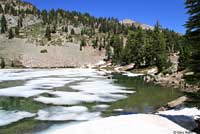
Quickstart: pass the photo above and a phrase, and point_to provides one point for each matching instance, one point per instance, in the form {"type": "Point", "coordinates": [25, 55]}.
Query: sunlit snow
{"type": "Point", "coordinates": [8, 117]}
{"type": "Point", "coordinates": [126, 124]}
{"type": "Point", "coordinates": [74, 113]}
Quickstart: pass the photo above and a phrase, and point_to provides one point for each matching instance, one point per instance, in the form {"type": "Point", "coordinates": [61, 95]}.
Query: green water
{"type": "Point", "coordinates": [146, 99]}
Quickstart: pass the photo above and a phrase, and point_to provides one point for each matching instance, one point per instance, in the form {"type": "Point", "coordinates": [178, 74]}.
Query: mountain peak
{"type": "Point", "coordinates": [137, 24]}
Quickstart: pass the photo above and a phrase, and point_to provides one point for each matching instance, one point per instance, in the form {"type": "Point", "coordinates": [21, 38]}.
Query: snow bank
{"type": "Point", "coordinates": [21, 91]}
{"type": "Point", "coordinates": [91, 90]}
{"type": "Point", "coordinates": [8, 117]}
{"type": "Point", "coordinates": [75, 113]}
{"type": "Point", "coordinates": [73, 98]}
{"type": "Point", "coordinates": [100, 86]}
{"type": "Point", "coordinates": [24, 74]}
{"type": "Point", "coordinates": [101, 107]}
{"type": "Point", "coordinates": [184, 117]}
{"type": "Point", "coordinates": [36, 87]}
{"type": "Point", "coordinates": [50, 83]}
{"type": "Point", "coordinates": [192, 112]}
{"type": "Point", "coordinates": [132, 74]}
{"type": "Point", "coordinates": [126, 124]}
{"type": "Point", "coordinates": [100, 63]}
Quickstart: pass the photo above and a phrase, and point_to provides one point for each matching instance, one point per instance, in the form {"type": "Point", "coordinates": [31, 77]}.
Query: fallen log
{"type": "Point", "coordinates": [177, 102]}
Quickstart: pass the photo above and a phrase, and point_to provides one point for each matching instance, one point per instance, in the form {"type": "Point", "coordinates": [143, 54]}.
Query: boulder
{"type": "Point", "coordinates": [127, 67]}
{"type": "Point", "coordinates": [177, 102]}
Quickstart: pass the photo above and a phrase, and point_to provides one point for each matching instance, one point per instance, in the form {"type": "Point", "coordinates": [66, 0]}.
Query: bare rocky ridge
{"type": "Point", "coordinates": [31, 49]}
{"type": "Point", "coordinates": [21, 51]}
{"type": "Point", "coordinates": [137, 24]}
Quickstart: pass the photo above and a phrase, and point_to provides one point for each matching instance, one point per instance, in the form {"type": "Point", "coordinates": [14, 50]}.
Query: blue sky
{"type": "Point", "coordinates": [170, 13]}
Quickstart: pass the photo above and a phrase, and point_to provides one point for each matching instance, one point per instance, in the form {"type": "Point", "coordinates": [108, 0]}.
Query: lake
{"type": "Point", "coordinates": [35, 101]}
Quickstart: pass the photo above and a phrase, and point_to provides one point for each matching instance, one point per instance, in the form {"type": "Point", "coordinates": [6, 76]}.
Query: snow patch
{"type": "Point", "coordinates": [184, 117]}
{"type": "Point", "coordinates": [73, 98]}
{"type": "Point", "coordinates": [100, 63]}
{"type": "Point", "coordinates": [132, 74]}
{"type": "Point", "coordinates": [25, 74]}
{"type": "Point", "coordinates": [192, 112]}
{"type": "Point", "coordinates": [75, 113]}
{"type": "Point", "coordinates": [8, 117]}
{"type": "Point", "coordinates": [126, 124]}
{"type": "Point", "coordinates": [100, 86]}
{"type": "Point", "coordinates": [92, 90]}
{"type": "Point", "coordinates": [102, 106]}
{"type": "Point", "coordinates": [21, 91]}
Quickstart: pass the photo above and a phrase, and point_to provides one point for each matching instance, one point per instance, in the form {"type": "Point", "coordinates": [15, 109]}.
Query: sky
{"type": "Point", "coordinates": [170, 13]}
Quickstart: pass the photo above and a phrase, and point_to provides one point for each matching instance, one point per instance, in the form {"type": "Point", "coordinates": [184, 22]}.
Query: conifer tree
{"type": "Point", "coordinates": [17, 31]}
{"type": "Point", "coordinates": [66, 29]}
{"type": "Point", "coordinates": [6, 8]}
{"type": "Point", "coordinates": [10, 34]}
{"type": "Point", "coordinates": [53, 29]}
{"type": "Point", "coordinates": [3, 24]}
{"type": "Point", "coordinates": [117, 43]}
{"type": "Point", "coordinates": [108, 52]}
{"type": "Point", "coordinates": [95, 43]}
{"type": "Point", "coordinates": [20, 22]}
{"type": "Point", "coordinates": [1, 9]}
{"type": "Point", "coordinates": [159, 46]}
{"type": "Point", "coordinates": [193, 34]}
{"type": "Point", "coordinates": [48, 33]}
{"type": "Point", "coordinates": [44, 16]}
{"type": "Point", "coordinates": [72, 31]}
{"type": "Point", "coordinates": [83, 43]}
{"type": "Point", "coordinates": [3, 63]}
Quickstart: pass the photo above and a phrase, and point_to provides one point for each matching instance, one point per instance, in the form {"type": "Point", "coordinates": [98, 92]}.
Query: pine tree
{"type": "Point", "coordinates": [100, 46]}
{"type": "Point", "coordinates": [159, 46]}
{"type": "Point", "coordinates": [72, 31]}
{"type": "Point", "coordinates": [82, 31]}
{"type": "Point", "coordinates": [53, 29]}
{"type": "Point", "coordinates": [10, 34]}
{"type": "Point", "coordinates": [83, 43]}
{"type": "Point", "coordinates": [44, 16]}
{"type": "Point", "coordinates": [3, 63]}
{"type": "Point", "coordinates": [66, 29]}
{"type": "Point", "coordinates": [3, 24]}
{"type": "Point", "coordinates": [13, 11]}
{"type": "Point", "coordinates": [95, 43]}
{"type": "Point", "coordinates": [20, 22]}
{"type": "Point", "coordinates": [17, 31]}
{"type": "Point", "coordinates": [108, 52]}
{"type": "Point", "coordinates": [117, 43]}
{"type": "Point", "coordinates": [193, 34]}
{"type": "Point", "coordinates": [12, 64]}
{"type": "Point", "coordinates": [6, 8]}
{"type": "Point", "coordinates": [48, 33]}
{"type": "Point", "coordinates": [1, 9]}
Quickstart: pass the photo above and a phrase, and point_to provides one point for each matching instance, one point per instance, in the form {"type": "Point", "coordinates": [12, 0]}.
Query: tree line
{"type": "Point", "coordinates": [124, 44]}
{"type": "Point", "coordinates": [145, 47]}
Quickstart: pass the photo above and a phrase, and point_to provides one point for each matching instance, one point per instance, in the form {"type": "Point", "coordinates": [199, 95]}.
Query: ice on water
{"type": "Point", "coordinates": [8, 117]}
{"type": "Point", "coordinates": [59, 113]}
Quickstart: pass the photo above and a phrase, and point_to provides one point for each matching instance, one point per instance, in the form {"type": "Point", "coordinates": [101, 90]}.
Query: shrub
{"type": "Point", "coordinates": [44, 51]}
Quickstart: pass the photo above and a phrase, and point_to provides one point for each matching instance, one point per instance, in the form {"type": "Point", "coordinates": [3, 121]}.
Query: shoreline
{"type": "Point", "coordinates": [172, 105]}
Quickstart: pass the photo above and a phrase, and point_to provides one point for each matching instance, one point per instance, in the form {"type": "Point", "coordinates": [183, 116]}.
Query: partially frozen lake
{"type": "Point", "coordinates": [37, 100]}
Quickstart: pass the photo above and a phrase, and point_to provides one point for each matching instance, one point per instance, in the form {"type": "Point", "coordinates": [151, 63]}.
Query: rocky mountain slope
{"type": "Point", "coordinates": [59, 38]}
{"type": "Point", "coordinates": [137, 24]}
{"type": "Point", "coordinates": [31, 49]}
